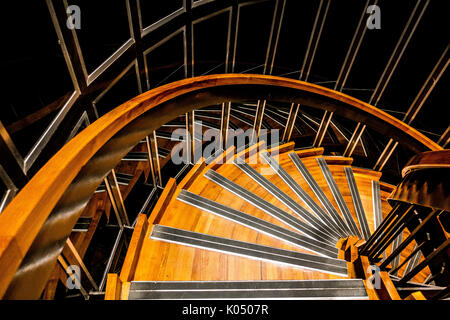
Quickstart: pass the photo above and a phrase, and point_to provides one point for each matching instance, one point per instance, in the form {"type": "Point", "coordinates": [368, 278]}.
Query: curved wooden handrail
{"type": "Point", "coordinates": [75, 170]}
{"type": "Point", "coordinates": [426, 181]}
{"type": "Point", "coordinates": [427, 160]}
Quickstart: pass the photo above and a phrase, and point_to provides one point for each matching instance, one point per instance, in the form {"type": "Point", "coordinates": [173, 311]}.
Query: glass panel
{"type": "Point", "coordinates": [125, 89]}
{"type": "Point", "coordinates": [294, 37]}
{"type": "Point", "coordinates": [274, 120]}
{"type": "Point", "coordinates": [104, 29]}
{"type": "Point", "coordinates": [210, 45]}
{"type": "Point", "coordinates": [416, 63]}
{"type": "Point", "coordinates": [152, 11]}
{"type": "Point", "coordinates": [392, 171]}
{"type": "Point", "coordinates": [36, 79]}
{"type": "Point", "coordinates": [339, 133]}
{"type": "Point", "coordinates": [164, 68]}
{"type": "Point", "coordinates": [255, 21]}
{"type": "Point", "coordinates": [374, 143]}
{"type": "Point", "coordinates": [208, 121]}
{"type": "Point", "coordinates": [171, 148]}
{"type": "Point", "coordinates": [335, 40]}
{"type": "Point", "coordinates": [377, 47]}
{"type": "Point", "coordinates": [432, 119]}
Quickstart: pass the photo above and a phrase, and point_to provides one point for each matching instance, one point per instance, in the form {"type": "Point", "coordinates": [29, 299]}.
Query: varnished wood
{"type": "Point", "coordinates": [25, 215]}
{"type": "Point", "coordinates": [418, 295]}
{"type": "Point", "coordinates": [134, 248]}
{"type": "Point", "coordinates": [309, 152]}
{"type": "Point", "coordinates": [387, 291]}
{"type": "Point", "coordinates": [338, 160]}
{"type": "Point", "coordinates": [113, 287]}
{"type": "Point", "coordinates": [192, 174]}
{"type": "Point", "coordinates": [358, 269]}
{"type": "Point", "coordinates": [201, 264]}
{"type": "Point", "coordinates": [221, 159]}
{"type": "Point", "coordinates": [163, 202]}
{"type": "Point", "coordinates": [430, 159]}
{"type": "Point", "coordinates": [286, 147]}
{"type": "Point", "coordinates": [375, 175]}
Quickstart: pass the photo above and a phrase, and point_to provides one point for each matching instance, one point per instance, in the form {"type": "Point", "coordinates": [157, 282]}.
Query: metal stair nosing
{"type": "Point", "coordinates": [286, 200]}
{"type": "Point", "coordinates": [269, 208]}
{"type": "Point", "coordinates": [250, 250]}
{"type": "Point", "coordinates": [326, 220]}
{"type": "Point", "coordinates": [357, 203]}
{"type": "Point", "coordinates": [259, 289]}
{"type": "Point", "coordinates": [318, 191]}
{"type": "Point", "coordinates": [351, 225]}
{"type": "Point", "coordinates": [257, 224]}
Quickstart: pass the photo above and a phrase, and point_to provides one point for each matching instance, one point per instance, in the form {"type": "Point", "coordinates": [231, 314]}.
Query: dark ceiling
{"type": "Point", "coordinates": [37, 82]}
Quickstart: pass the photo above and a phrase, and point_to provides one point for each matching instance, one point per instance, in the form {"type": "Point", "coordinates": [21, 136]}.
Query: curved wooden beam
{"type": "Point", "coordinates": [65, 183]}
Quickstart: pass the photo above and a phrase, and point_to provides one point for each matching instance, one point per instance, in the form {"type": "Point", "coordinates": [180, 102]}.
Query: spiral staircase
{"type": "Point", "coordinates": [268, 223]}
{"type": "Point", "coordinates": [269, 220]}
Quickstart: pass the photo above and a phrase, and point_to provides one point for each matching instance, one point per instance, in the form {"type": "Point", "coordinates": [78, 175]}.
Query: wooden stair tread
{"type": "Point", "coordinates": [160, 261]}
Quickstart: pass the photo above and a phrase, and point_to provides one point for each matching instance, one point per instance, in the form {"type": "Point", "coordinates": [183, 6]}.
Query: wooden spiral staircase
{"type": "Point", "coordinates": [264, 223]}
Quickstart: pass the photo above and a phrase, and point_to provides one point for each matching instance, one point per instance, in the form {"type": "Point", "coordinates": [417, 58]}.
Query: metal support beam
{"type": "Point", "coordinates": [229, 65]}
{"type": "Point", "coordinates": [77, 67]}
{"type": "Point", "coordinates": [224, 124]}
{"type": "Point", "coordinates": [190, 137]}
{"type": "Point", "coordinates": [389, 70]}
{"type": "Point", "coordinates": [277, 21]}
{"type": "Point", "coordinates": [345, 71]}
{"type": "Point", "coordinates": [445, 138]}
{"type": "Point", "coordinates": [134, 21]}
{"type": "Point", "coordinates": [11, 160]}
{"type": "Point", "coordinates": [111, 258]}
{"type": "Point", "coordinates": [259, 115]}
{"type": "Point", "coordinates": [65, 266]}
{"type": "Point", "coordinates": [189, 38]}
{"type": "Point", "coordinates": [79, 260]}
{"type": "Point", "coordinates": [116, 199]}
{"type": "Point", "coordinates": [153, 159]}
{"type": "Point", "coordinates": [316, 32]}
{"type": "Point", "coordinates": [416, 105]}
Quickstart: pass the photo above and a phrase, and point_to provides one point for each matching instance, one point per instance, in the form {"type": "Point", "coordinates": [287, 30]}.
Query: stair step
{"type": "Point", "coordinates": [357, 203]}
{"type": "Point", "coordinates": [269, 208]}
{"type": "Point", "coordinates": [181, 136]}
{"type": "Point", "coordinates": [82, 225]}
{"type": "Point", "coordinates": [288, 289]}
{"type": "Point", "coordinates": [123, 178]}
{"type": "Point", "coordinates": [257, 224]}
{"type": "Point", "coordinates": [250, 250]}
{"type": "Point", "coordinates": [318, 191]}
{"type": "Point", "coordinates": [286, 200]}
{"type": "Point", "coordinates": [329, 224]}
{"type": "Point", "coordinates": [136, 156]}
{"type": "Point", "coordinates": [351, 225]}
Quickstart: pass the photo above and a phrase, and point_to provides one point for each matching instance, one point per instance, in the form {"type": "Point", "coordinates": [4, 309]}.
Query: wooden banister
{"type": "Point", "coordinates": [43, 213]}
{"type": "Point", "coordinates": [425, 181]}
{"type": "Point", "coordinates": [427, 160]}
